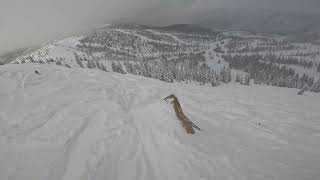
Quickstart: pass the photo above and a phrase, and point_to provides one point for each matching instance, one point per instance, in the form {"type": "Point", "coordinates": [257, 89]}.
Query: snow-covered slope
{"type": "Point", "coordinates": [73, 124]}
{"type": "Point", "coordinates": [62, 51]}
{"type": "Point", "coordinates": [186, 53]}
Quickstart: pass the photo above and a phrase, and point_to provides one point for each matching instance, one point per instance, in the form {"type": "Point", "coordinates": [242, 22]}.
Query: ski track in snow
{"type": "Point", "coordinates": [75, 124]}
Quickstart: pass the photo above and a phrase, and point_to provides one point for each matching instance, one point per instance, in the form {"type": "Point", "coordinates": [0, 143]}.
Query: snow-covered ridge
{"type": "Point", "coordinates": [77, 124]}
{"type": "Point", "coordinates": [193, 55]}
{"type": "Point", "coordinates": [60, 50]}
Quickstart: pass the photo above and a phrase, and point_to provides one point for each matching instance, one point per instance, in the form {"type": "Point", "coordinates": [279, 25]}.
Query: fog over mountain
{"type": "Point", "coordinates": [28, 23]}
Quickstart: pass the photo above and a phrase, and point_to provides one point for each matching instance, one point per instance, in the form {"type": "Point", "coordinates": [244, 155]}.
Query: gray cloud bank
{"type": "Point", "coordinates": [30, 22]}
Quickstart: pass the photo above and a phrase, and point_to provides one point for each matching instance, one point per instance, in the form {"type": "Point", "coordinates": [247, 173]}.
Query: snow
{"type": "Point", "coordinates": [62, 49]}
{"type": "Point", "coordinates": [73, 124]}
{"type": "Point", "coordinates": [215, 61]}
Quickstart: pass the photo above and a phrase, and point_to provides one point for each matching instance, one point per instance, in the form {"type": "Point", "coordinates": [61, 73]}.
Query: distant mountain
{"type": "Point", "coordinates": [187, 28]}
{"type": "Point", "coordinates": [262, 21]}
{"type": "Point", "coordinates": [177, 28]}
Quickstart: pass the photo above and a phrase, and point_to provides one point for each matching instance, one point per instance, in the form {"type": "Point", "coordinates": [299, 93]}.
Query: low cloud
{"type": "Point", "coordinates": [30, 22]}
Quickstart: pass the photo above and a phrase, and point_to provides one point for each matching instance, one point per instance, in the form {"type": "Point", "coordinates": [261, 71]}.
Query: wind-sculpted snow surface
{"type": "Point", "coordinates": [72, 124]}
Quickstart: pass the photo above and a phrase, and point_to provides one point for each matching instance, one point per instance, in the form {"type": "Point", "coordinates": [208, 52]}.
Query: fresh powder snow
{"type": "Point", "coordinates": [79, 124]}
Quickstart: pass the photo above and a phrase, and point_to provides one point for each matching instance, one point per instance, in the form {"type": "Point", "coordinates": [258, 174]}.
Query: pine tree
{"type": "Point", "coordinates": [120, 69]}
{"type": "Point", "coordinates": [98, 65]}
{"type": "Point", "coordinates": [222, 74]}
{"type": "Point", "coordinates": [256, 81]}
{"type": "Point", "coordinates": [238, 78]}
{"type": "Point", "coordinates": [245, 80]}
{"type": "Point", "coordinates": [93, 64]}
{"type": "Point", "coordinates": [225, 74]}
{"type": "Point", "coordinates": [214, 81]}
{"type": "Point", "coordinates": [302, 90]}
{"type": "Point", "coordinates": [316, 87]}
{"type": "Point", "coordinates": [90, 64]}
{"type": "Point", "coordinates": [117, 67]}
{"type": "Point", "coordinates": [228, 75]}
{"type": "Point", "coordinates": [103, 67]}
{"type": "Point", "coordinates": [114, 67]}
{"type": "Point", "coordinates": [31, 59]}
{"type": "Point", "coordinates": [78, 60]}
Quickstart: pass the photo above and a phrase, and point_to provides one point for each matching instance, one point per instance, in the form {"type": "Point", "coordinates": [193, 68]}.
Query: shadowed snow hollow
{"type": "Point", "coordinates": [70, 124]}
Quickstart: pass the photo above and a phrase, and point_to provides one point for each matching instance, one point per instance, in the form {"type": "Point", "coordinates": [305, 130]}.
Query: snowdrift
{"type": "Point", "coordinates": [76, 124]}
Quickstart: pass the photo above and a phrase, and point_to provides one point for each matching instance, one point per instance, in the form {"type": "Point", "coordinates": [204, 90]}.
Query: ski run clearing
{"type": "Point", "coordinates": [81, 124]}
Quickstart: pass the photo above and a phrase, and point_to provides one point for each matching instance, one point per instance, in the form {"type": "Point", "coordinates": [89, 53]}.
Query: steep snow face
{"type": "Point", "coordinates": [72, 124]}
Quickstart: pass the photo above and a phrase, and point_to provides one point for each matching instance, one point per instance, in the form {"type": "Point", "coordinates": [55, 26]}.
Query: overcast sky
{"type": "Point", "coordinates": [30, 22]}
